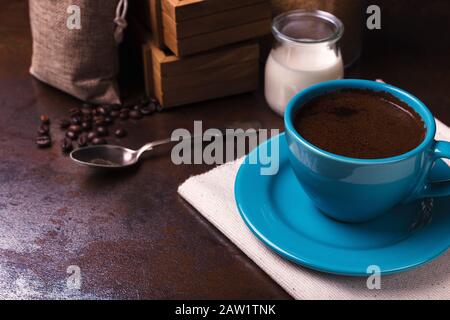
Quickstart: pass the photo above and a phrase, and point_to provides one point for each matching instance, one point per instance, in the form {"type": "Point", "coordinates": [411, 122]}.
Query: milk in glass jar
{"type": "Point", "coordinates": [306, 52]}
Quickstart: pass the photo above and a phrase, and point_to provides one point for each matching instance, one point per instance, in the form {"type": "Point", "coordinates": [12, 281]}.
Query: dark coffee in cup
{"type": "Point", "coordinates": [360, 124]}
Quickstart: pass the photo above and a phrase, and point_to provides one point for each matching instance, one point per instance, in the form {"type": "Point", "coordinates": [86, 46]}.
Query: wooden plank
{"type": "Point", "coordinates": [180, 10]}
{"type": "Point", "coordinates": [173, 65]}
{"type": "Point", "coordinates": [216, 39]}
{"type": "Point", "coordinates": [148, 70]}
{"type": "Point", "coordinates": [209, 92]}
{"type": "Point", "coordinates": [225, 75]}
{"type": "Point", "coordinates": [156, 22]}
{"type": "Point", "coordinates": [218, 21]}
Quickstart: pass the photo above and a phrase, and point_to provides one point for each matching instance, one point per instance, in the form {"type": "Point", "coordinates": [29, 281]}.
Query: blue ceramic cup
{"type": "Point", "coordinates": [358, 190]}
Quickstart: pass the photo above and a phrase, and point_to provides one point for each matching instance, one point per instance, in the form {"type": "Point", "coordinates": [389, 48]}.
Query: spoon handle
{"type": "Point", "coordinates": [149, 146]}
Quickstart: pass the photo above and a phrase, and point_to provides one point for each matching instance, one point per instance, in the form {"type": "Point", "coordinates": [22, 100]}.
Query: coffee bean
{"type": "Point", "coordinates": [87, 118]}
{"type": "Point", "coordinates": [44, 119]}
{"type": "Point", "coordinates": [120, 133]}
{"type": "Point", "coordinates": [136, 107]}
{"type": "Point", "coordinates": [98, 141]}
{"type": "Point", "coordinates": [87, 105]}
{"type": "Point", "coordinates": [102, 110]}
{"type": "Point", "coordinates": [86, 126]}
{"type": "Point", "coordinates": [74, 112]}
{"type": "Point", "coordinates": [124, 115]}
{"type": "Point", "coordinates": [102, 131]}
{"type": "Point", "coordinates": [75, 128]}
{"type": "Point", "coordinates": [91, 135]}
{"type": "Point", "coordinates": [99, 121]}
{"type": "Point", "coordinates": [64, 124]}
{"type": "Point", "coordinates": [43, 130]}
{"type": "Point", "coordinates": [66, 145]}
{"type": "Point", "coordinates": [82, 140]}
{"type": "Point", "coordinates": [86, 111]}
{"type": "Point", "coordinates": [71, 135]}
{"type": "Point", "coordinates": [109, 120]}
{"type": "Point", "coordinates": [114, 113]}
{"type": "Point", "coordinates": [75, 120]}
{"type": "Point", "coordinates": [115, 107]}
{"type": "Point", "coordinates": [135, 114]}
{"type": "Point", "coordinates": [43, 141]}
{"type": "Point", "coordinates": [148, 109]}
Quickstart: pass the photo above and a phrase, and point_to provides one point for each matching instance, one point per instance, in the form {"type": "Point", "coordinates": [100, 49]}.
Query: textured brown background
{"type": "Point", "coordinates": [130, 233]}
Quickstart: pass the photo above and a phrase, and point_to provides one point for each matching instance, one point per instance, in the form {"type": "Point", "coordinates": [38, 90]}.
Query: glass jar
{"type": "Point", "coordinates": [306, 52]}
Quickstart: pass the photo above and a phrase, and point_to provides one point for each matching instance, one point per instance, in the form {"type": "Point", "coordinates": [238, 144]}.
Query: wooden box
{"type": "Point", "coordinates": [217, 73]}
{"type": "Point", "coordinates": [193, 26]}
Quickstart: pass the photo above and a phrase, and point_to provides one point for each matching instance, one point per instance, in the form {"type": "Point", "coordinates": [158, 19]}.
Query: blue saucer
{"type": "Point", "coordinates": [281, 215]}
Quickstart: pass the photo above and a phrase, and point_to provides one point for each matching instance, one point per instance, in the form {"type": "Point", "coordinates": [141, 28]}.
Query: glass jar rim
{"type": "Point", "coordinates": [319, 14]}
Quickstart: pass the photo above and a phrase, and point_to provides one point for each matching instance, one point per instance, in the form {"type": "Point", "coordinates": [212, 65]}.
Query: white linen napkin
{"type": "Point", "coordinates": [212, 194]}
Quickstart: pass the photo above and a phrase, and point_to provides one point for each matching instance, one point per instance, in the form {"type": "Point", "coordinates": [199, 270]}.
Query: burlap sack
{"type": "Point", "coordinates": [82, 62]}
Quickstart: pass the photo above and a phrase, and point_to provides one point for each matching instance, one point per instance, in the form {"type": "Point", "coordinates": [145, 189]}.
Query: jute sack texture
{"type": "Point", "coordinates": [82, 62]}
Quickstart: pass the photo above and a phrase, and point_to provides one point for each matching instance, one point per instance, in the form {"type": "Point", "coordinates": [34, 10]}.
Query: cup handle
{"type": "Point", "coordinates": [441, 189]}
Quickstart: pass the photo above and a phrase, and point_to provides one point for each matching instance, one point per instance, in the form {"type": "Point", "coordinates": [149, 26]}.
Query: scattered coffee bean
{"type": "Point", "coordinates": [91, 135]}
{"type": "Point", "coordinates": [86, 111]}
{"type": "Point", "coordinates": [115, 107]}
{"type": "Point", "coordinates": [86, 126]}
{"type": "Point", "coordinates": [98, 141]}
{"type": "Point", "coordinates": [75, 120]}
{"type": "Point", "coordinates": [87, 105]}
{"type": "Point", "coordinates": [44, 119]}
{"type": "Point", "coordinates": [99, 121]}
{"type": "Point", "coordinates": [114, 113]}
{"type": "Point", "coordinates": [82, 140]}
{"type": "Point", "coordinates": [124, 115]}
{"type": "Point", "coordinates": [148, 109]}
{"type": "Point", "coordinates": [102, 110]}
{"type": "Point", "coordinates": [120, 133]}
{"type": "Point", "coordinates": [152, 99]}
{"type": "Point", "coordinates": [135, 114]}
{"type": "Point", "coordinates": [109, 120]}
{"type": "Point", "coordinates": [76, 128]}
{"type": "Point", "coordinates": [64, 124]}
{"type": "Point", "coordinates": [102, 131]}
{"type": "Point", "coordinates": [66, 145]}
{"type": "Point", "coordinates": [136, 107]}
{"type": "Point", "coordinates": [87, 118]}
{"type": "Point", "coordinates": [43, 130]}
{"type": "Point", "coordinates": [71, 135]}
{"type": "Point", "coordinates": [74, 112]}
{"type": "Point", "coordinates": [43, 141]}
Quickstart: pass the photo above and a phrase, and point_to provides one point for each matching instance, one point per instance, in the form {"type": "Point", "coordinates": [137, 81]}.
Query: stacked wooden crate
{"type": "Point", "coordinates": [202, 49]}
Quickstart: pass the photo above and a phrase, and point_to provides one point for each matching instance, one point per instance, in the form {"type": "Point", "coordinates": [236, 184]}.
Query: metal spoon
{"type": "Point", "coordinates": [111, 156]}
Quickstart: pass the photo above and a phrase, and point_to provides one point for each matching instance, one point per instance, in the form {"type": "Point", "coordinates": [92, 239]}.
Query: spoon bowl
{"type": "Point", "coordinates": [105, 156]}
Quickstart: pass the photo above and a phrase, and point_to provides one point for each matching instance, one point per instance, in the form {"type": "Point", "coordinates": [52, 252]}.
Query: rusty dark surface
{"type": "Point", "coordinates": [129, 232]}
